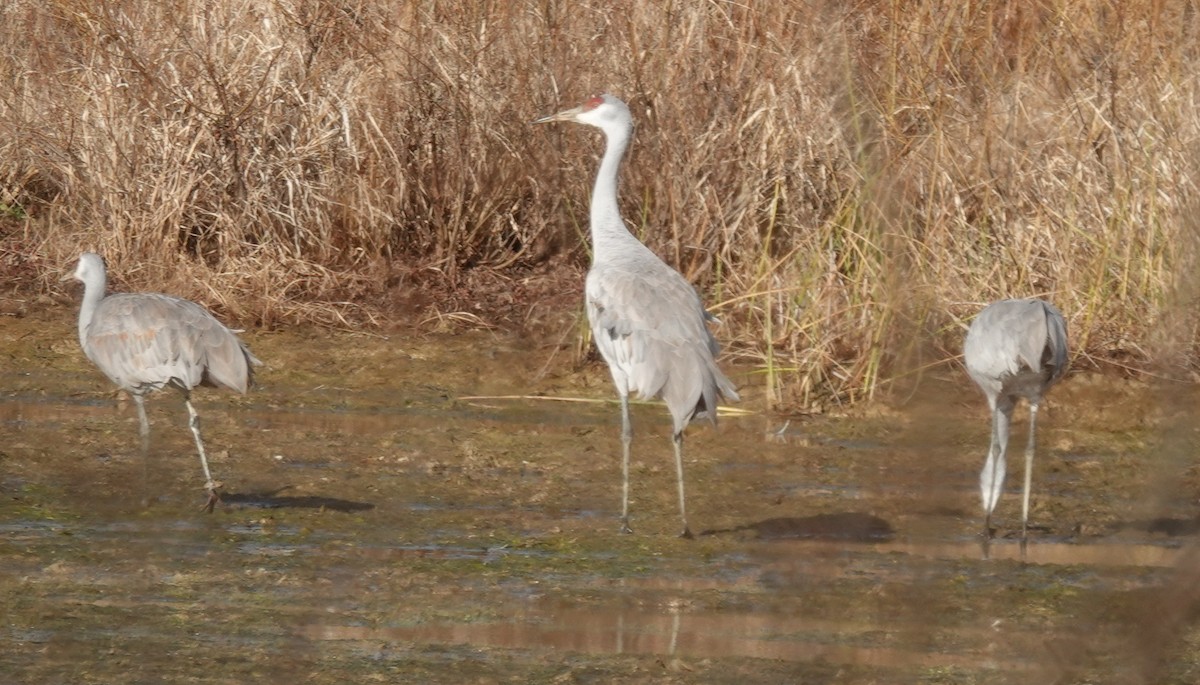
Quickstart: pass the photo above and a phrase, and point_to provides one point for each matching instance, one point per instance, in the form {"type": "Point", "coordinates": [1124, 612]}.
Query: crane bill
{"type": "Point", "coordinates": [565, 115]}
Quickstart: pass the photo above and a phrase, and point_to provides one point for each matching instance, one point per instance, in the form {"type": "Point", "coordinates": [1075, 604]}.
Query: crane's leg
{"type": "Point", "coordinates": [674, 632]}
{"type": "Point", "coordinates": [626, 440]}
{"type": "Point", "coordinates": [144, 433]}
{"type": "Point", "coordinates": [677, 440]}
{"type": "Point", "coordinates": [143, 424]}
{"type": "Point", "coordinates": [210, 484]}
{"type": "Point", "coordinates": [991, 479]}
{"type": "Point", "coordinates": [1033, 409]}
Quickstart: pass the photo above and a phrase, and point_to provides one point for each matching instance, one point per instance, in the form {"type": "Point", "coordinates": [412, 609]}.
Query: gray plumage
{"type": "Point", "coordinates": [1014, 349]}
{"type": "Point", "coordinates": [144, 342]}
{"type": "Point", "coordinates": [647, 320]}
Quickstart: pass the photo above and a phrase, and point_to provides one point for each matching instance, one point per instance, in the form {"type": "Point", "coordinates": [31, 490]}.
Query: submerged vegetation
{"type": "Point", "coordinates": [846, 182]}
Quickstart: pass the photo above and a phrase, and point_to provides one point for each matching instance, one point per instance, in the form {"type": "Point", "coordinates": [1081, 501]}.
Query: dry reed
{"type": "Point", "coordinates": [847, 182]}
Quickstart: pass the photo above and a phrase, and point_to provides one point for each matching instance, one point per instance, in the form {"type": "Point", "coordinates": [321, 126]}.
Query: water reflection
{"type": "Point", "coordinates": [666, 631]}
{"type": "Point", "coordinates": [1112, 554]}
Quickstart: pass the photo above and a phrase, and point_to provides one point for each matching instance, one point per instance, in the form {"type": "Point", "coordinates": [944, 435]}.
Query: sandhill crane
{"type": "Point", "coordinates": [146, 341]}
{"type": "Point", "coordinates": [1014, 349]}
{"type": "Point", "coordinates": [647, 320]}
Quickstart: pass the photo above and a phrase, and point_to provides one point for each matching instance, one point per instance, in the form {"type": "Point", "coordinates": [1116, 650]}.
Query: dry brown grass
{"type": "Point", "coordinates": [847, 182]}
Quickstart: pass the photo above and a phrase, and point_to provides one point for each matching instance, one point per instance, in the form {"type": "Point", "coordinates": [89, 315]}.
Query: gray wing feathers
{"type": "Point", "coordinates": [651, 331]}
{"type": "Point", "coordinates": [1056, 334]}
{"type": "Point", "coordinates": [145, 341]}
{"type": "Point", "coordinates": [1015, 335]}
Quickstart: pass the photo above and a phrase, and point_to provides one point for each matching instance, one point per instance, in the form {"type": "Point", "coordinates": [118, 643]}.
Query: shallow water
{"type": "Point", "coordinates": [407, 510]}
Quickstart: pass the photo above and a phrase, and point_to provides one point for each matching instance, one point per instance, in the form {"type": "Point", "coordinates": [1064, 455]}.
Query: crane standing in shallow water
{"type": "Point", "coordinates": [145, 341]}
{"type": "Point", "coordinates": [1014, 349]}
{"type": "Point", "coordinates": [647, 320]}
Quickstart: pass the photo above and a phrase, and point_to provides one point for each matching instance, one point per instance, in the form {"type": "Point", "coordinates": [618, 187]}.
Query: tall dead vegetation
{"type": "Point", "coordinates": [848, 182]}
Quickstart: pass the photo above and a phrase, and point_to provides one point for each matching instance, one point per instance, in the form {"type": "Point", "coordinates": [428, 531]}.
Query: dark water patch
{"type": "Point", "coordinates": [1163, 525]}
{"type": "Point", "coordinates": [273, 500]}
{"type": "Point", "coordinates": [846, 527]}
{"type": "Point", "coordinates": [944, 511]}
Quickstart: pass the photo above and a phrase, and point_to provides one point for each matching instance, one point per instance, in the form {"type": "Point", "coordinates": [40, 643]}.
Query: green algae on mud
{"type": "Point", "coordinates": [377, 526]}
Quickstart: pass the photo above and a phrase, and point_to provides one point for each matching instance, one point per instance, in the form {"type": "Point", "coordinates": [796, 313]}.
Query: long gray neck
{"type": "Point", "coordinates": [93, 291]}
{"type": "Point", "coordinates": [608, 230]}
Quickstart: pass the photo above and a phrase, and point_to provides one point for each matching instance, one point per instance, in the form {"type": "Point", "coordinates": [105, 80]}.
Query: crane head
{"type": "Point", "coordinates": [89, 263]}
{"type": "Point", "coordinates": [600, 110]}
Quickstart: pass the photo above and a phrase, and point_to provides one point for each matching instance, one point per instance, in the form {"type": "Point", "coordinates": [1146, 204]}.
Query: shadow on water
{"type": "Point", "coordinates": [1164, 525]}
{"type": "Point", "coordinates": [273, 500]}
{"type": "Point", "coordinates": [845, 527]}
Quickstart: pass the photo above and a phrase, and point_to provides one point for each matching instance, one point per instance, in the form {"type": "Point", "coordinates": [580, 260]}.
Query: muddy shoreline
{"type": "Point", "coordinates": [427, 508]}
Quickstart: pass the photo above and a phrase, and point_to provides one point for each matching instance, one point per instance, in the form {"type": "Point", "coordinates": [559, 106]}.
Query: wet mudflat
{"type": "Point", "coordinates": [393, 512]}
